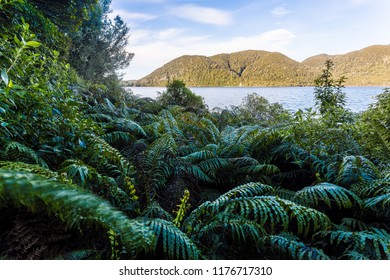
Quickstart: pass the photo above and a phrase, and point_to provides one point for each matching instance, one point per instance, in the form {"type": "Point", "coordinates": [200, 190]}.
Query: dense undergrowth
{"type": "Point", "coordinates": [91, 172]}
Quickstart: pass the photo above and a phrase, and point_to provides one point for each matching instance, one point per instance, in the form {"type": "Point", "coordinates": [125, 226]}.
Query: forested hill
{"type": "Point", "coordinates": [369, 66]}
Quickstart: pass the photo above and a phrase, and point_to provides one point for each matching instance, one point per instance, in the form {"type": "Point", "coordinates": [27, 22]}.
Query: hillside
{"type": "Point", "coordinates": [369, 66]}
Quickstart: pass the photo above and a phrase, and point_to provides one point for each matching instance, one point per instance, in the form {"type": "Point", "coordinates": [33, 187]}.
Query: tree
{"type": "Point", "coordinates": [374, 127]}
{"type": "Point", "coordinates": [259, 109]}
{"type": "Point", "coordinates": [178, 94]}
{"type": "Point", "coordinates": [327, 92]}
{"type": "Point", "coordinates": [98, 48]}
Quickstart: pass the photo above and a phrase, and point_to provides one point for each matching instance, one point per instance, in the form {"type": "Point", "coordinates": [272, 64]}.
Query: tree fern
{"type": "Point", "coordinates": [73, 206]}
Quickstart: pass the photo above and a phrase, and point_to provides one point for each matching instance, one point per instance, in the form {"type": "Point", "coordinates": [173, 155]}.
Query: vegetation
{"type": "Point", "coordinates": [367, 67]}
{"type": "Point", "coordinates": [88, 172]}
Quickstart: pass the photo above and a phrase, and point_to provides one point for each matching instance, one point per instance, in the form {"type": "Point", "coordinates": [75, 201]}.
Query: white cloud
{"type": "Point", "coordinates": [202, 14]}
{"type": "Point", "coordinates": [131, 17]}
{"type": "Point", "coordinates": [281, 11]}
{"type": "Point", "coordinates": [154, 49]}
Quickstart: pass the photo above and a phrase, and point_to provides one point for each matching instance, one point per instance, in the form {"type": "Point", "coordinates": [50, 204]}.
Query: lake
{"type": "Point", "coordinates": [292, 98]}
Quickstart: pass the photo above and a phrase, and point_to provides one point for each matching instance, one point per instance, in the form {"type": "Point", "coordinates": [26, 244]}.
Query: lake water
{"type": "Point", "coordinates": [292, 98]}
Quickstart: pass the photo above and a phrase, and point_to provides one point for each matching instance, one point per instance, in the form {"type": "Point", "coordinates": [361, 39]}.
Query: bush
{"type": "Point", "coordinates": [178, 94]}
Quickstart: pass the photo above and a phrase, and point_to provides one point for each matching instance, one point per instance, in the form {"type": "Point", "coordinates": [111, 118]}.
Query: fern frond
{"type": "Point", "coordinates": [242, 230]}
{"type": "Point", "coordinates": [72, 205]}
{"type": "Point", "coordinates": [16, 151]}
{"type": "Point", "coordinates": [264, 169]}
{"type": "Point", "coordinates": [247, 190]}
{"type": "Point", "coordinates": [354, 255]}
{"type": "Point", "coordinates": [356, 169]}
{"type": "Point", "coordinates": [293, 249]}
{"type": "Point", "coordinates": [372, 188]}
{"type": "Point", "coordinates": [118, 136]}
{"type": "Point", "coordinates": [127, 125]}
{"type": "Point", "coordinates": [370, 244]}
{"type": "Point", "coordinates": [199, 156]}
{"type": "Point", "coordinates": [78, 171]}
{"type": "Point", "coordinates": [304, 220]}
{"type": "Point", "coordinates": [154, 210]}
{"type": "Point", "coordinates": [326, 194]}
{"type": "Point", "coordinates": [354, 224]}
{"type": "Point", "coordinates": [265, 210]}
{"type": "Point", "coordinates": [101, 149]}
{"type": "Point", "coordinates": [381, 202]}
{"type": "Point", "coordinates": [284, 193]}
{"type": "Point", "coordinates": [175, 244]}
{"type": "Point", "coordinates": [99, 117]}
{"type": "Point", "coordinates": [36, 169]}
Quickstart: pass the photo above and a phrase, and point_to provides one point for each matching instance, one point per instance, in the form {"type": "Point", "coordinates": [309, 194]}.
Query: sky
{"type": "Point", "coordinates": [162, 30]}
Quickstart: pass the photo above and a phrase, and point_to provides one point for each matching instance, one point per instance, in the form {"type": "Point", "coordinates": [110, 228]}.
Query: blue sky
{"type": "Point", "coordinates": [162, 30]}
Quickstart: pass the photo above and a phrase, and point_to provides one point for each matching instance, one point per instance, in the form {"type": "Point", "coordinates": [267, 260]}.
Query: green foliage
{"type": "Point", "coordinates": [356, 169]}
{"type": "Point", "coordinates": [72, 205]}
{"type": "Point", "coordinates": [328, 93]}
{"type": "Point", "coordinates": [359, 245]}
{"type": "Point", "coordinates": [327, 196]}
{"type": "Point", "coordinates": [374, 127]}
{"type": "Point", "coordinates": [175, 244]}
{"type": "Point", "coordinates": [72, 150]}
{"type": "Point", "coordinates": [291, 249]}
{"type": "Point", "coordinates": [178, 94]}
{"type": "Point", "coordinates": [260, 110]}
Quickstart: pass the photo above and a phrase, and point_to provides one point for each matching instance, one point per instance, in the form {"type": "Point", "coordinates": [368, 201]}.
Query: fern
{"type": "Point", "coordinates": [326, 194]}
{"type": "Point", "coordinates": [368, 244]}
{"type": "Point", "coordinates": [154, 210]}
{"type": "Point", "coordinates": [175, 244]}
{"type": "Point", "coordinates": [118, 136]}
{"type": "Point", "coordinates": [73, 206]}
{"type": "Point", "coordinates": [381, 202]}
{"type": "Point", "coordinates": [242, 230]}
{"type": "Point", "coordinates": [273, 214]}
{"type": "Point", "coordinates": [78, 171]}
{"type": "Point", "coordinates": [304, 220]}
{"type": "Point", "coordinates": [100, 149]}
{"type": "Point", "coordinates": [36, 169]}
{"type": "Point", "coordinates": [246, 190]}
{"type": "Point", "coordinates": [16, 151]}
{"type": "Point", "coordinates": [356, 169]}
{"type": "Point", "coordinates": [372, 188]}
{"type": "Point", "coordinates": [126, 125]}
{"type": "Point", "coordinates": [292, 249]}
{"type": "Point", "coordinates": [354, 224]}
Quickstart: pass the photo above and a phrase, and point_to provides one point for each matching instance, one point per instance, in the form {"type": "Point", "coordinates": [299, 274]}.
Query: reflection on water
{"type": "Point", "coordinates": [292, 98]}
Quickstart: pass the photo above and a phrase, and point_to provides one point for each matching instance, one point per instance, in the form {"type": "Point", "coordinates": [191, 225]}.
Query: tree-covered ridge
{"type": "Point", "coordinates": [369, 66]}
{"type": "Point", "coordinates": [88, 171]}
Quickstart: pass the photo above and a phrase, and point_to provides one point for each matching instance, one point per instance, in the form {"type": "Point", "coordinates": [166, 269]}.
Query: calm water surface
{"type": "Point", "coordinates": [292, 98]}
